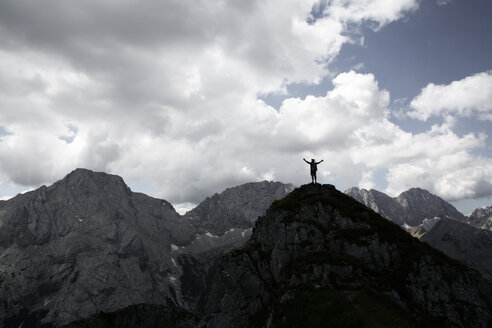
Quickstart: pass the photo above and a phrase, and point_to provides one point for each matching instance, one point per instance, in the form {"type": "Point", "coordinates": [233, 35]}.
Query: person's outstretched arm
{"type": "Point", "coordinates": [320, 161]}
{"type": "Point", "coordinates": [306, 161]}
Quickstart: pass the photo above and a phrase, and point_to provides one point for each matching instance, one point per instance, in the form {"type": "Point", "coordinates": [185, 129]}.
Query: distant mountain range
{"type": "Point", "coordinates": [88, 243]}
{"type": "Point", "coordinates": [411, 207]}
{"type": "Point", "coordinates": [88, 252]}
{"type": "Point", "coordinates": [438, 223]}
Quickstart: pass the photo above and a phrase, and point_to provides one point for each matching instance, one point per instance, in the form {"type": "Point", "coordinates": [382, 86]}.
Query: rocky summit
{"type": "Point", "coordinates": [83, 245]}
{"type": "Point", "coordinates": [411, 207]}
{"type": "Point", "coordinates": [318, 258]}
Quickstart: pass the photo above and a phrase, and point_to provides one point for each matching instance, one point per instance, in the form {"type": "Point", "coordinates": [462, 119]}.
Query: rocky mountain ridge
{"type": "Point", "coordinates": [409, 208]}
{"type": "Point", "coordinates": [319, 258]}
{"type": "Point", "coordinates": [88, 243]}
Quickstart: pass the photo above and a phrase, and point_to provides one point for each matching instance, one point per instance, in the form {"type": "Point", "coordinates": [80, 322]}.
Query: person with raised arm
{"type": "Point", "coordinates": [314, 168]}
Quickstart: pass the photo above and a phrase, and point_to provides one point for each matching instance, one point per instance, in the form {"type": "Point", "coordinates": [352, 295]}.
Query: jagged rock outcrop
{"type": "Point", "coordinates": [318, 258]}
{"type": "Point", "coordinates": [423, 228]}
{"type": "Point", "coordinates": [411, 207]}
{"type": "Point", "coordinates": [237, 207]}
{"type": "Point", "coordinates": [85, 244]}
{"type": "Point", "coordinates": [481, 218]}
{"type": "Point", "coordinates": [464, 243]}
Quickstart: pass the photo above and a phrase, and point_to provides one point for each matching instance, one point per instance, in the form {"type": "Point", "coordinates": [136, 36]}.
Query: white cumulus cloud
{"type": "Point", "coordinates": [469, 96]}
{"type": "Point", "coordinates": [166, 94]}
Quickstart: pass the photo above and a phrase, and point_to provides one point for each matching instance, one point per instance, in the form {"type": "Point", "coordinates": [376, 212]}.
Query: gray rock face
{"type": "Point", "coordinates": [419, 203]}
{"type": "Point", "coordinates": [237, 207]}
{"type": "Point", "coordinates": [411, 207]}
{"type": "Point", "coordinates": [223, 222]}
{"type": "Point", "coordinates": [481, 218]}
{"type": "Point", "coordinates": [86, 244]}
{"type": "Point", "coordinates": [319, 258]}
{"type": "Point", "coordinates": [378, 202]}
{"type": "Point", "coordinates": [464, 243]}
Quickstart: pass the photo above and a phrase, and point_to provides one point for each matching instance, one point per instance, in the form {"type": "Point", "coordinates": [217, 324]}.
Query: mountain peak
{"type": "Point", "coordinates": [320, 258]}
{"type": "Point", "coordinates": [411, 207]}
{"type": "Point", "coordinates": [236, 207]}
{"type": "Point", "coordinates": [416, 191]}
{"type": "Point", "coordinates": [305, 194]}
{"type": "Point", "coordinates": [86, 182]}
{"type": "Point", "coordinates": [86, 237]}
{"type": "Point", "coordinates": [81, 175]}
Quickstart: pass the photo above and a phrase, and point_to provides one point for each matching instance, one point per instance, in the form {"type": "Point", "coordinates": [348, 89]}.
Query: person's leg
{"type": "Point", "coordinates": [314, 176]}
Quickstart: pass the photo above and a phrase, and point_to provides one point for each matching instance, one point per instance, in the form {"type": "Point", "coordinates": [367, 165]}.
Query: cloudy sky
{"type": "Point", "coordinates": [186, 98]}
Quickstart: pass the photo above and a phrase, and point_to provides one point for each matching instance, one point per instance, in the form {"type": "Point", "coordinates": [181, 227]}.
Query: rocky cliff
{"type": "Point", "coordinates": [411, 207]}
{"type": "Point", "coordinates": [88, 244]}
{"type": "Point", "coordinates": [85, 244]}
{"type": "Point", "coordinates": [481, 218]}
{"type": "Point", "coordinates": [319, 259]}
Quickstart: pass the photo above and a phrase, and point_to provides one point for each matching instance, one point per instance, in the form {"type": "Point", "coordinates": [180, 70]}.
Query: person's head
{"type": "Point", "coordinates": [312, 160]}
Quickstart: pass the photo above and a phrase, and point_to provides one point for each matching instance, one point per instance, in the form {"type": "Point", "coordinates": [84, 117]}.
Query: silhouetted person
{"type": "Point", "coordinates": [314, 168]}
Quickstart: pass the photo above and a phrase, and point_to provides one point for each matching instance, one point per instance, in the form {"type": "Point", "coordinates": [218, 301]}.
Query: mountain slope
{"type": "Point", "coordinates": [460, 241]}
{"type": "Point", "coordinates": [237, 207]}
{"type": "Point", "coordinates": [224, 222]}
{"type": "Point", "coordinates": [411, 207]}
{"type": "Point", "coordinates": [86, 243]}
{"type": "Point", "coordinates": [378, 202]}
{"type": "Point", "coordinates": [319, 258]}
